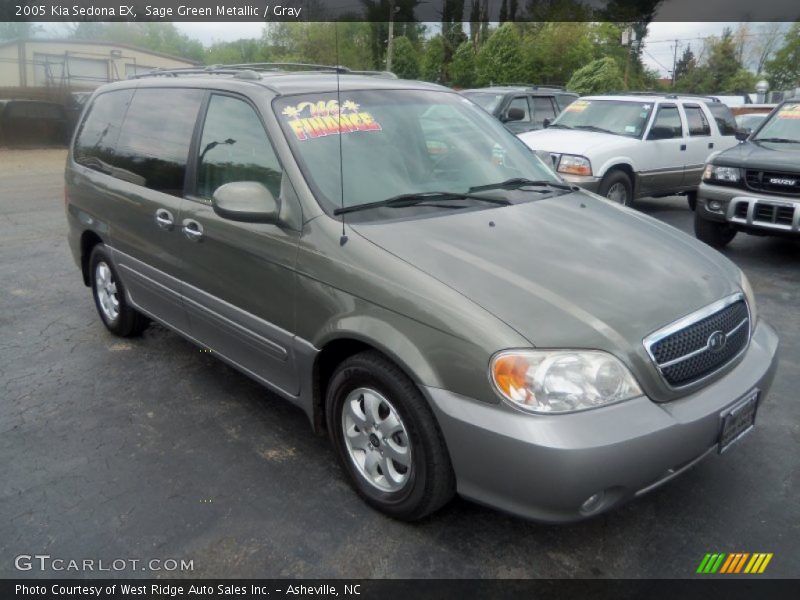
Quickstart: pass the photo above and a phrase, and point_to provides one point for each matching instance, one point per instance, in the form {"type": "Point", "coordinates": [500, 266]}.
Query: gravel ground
{"type": "Point", "coordinates": [148, 448]}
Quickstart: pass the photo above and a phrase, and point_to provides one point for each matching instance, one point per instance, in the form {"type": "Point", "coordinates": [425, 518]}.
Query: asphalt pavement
{"type": "Point", "coordinates": [150, 449]}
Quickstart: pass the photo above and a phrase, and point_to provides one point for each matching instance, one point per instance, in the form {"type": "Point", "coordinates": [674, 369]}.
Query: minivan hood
{"type": "Point", "coordinates": [761, 155]}
{"type": "Point", "coordinates": [572, 141]}
{"type": "Point", "coordinates": [570, 271]}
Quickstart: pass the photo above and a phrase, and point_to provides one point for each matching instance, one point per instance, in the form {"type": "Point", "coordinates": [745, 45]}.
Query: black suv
{"type": "Point", "coordinates": [522, 107]}
{"type": "Point", "coordinates": [755, 186]}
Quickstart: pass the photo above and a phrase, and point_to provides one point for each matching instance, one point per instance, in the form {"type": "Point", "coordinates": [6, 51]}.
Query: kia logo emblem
{"type": "Point", "coordinates": [717, 341]}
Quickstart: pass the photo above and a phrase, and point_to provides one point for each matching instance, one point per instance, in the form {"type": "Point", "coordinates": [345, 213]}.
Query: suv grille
{"type": "Point", "coordinates": [702, 343]}
{"type": "Point", "coordinates": [774, 182]}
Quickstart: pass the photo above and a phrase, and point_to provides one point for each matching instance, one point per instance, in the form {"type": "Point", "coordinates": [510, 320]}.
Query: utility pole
{"type": "Point", "coordinates": [390, 43]}
{"type": "Point", "coordinates": [674, 63]}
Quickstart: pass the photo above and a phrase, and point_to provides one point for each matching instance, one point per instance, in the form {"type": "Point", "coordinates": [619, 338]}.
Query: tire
{"type": "Point", "coordinates": [369, 380]}
{"type": "Point", "coordinates": [617, 187]}
{"type": "Point", "coordinates": [691, 198]}
{"type": "Point", "coordinates": [713, 233]}
{"type": "Point", "coordinates": [109, 297]}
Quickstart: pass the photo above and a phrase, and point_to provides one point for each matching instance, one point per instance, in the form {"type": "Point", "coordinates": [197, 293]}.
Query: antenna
{"type": "Point", "coordinates": [343, 239]}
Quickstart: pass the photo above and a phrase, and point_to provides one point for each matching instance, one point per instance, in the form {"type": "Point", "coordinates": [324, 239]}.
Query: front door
{"type": "Point", "coordinates": [663, 153]}
{"type": "Point", "coordinates": [524, 124]}
{"type": "Point", "coordinates": [240, 281]}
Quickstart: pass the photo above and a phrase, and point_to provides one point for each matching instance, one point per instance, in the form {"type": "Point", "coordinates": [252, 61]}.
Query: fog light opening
{"type": "Point", "coordinates": [592, 503]}
{"type": "Point", "coordinates": [715, 205]}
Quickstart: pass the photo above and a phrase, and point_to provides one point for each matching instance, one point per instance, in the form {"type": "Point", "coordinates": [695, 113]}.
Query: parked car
{"type": "Point", "coordinates": [33, 123]}
{"type": "Point", "coordinates": [631, 146]}
{"type": "Point", "coordinates": [524, 107]}
{"type": "Point", "coordinates": [389, 258]}
{"type": "Point", "coordinates": [749, 122]}
{"type": "Point", "coordinates": [755, 186]}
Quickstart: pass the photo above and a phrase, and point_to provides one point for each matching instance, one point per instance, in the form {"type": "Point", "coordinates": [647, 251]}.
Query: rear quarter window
{"type": "Point", "coordinates": [724, 118]}
{"type": "Point", "coordinates": [100, 129]}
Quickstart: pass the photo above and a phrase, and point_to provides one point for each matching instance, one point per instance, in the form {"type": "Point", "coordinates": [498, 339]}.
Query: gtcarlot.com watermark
{"type": "Point", "coordinates": [45, 562]}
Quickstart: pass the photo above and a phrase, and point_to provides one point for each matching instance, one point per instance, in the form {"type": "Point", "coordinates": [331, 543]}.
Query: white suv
{"type": "Point", "coordinates": [627, 147]}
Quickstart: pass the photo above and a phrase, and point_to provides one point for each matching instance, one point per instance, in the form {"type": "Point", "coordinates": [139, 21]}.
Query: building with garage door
{"type": "Point", "coordinates": [42, 67]}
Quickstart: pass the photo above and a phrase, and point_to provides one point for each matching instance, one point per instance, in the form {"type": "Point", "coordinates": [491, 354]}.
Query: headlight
{"type": "Point", "coordinates": [574, 165]}
{"type": "Point", "coordinates": [555, 381]}
{"type": "Point", "coordinates": [722, 174]}
{"type": "Point", "coordinates": [751, 300]}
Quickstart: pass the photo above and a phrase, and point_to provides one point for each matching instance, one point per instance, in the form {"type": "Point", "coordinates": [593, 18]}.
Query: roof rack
{"type": "Point", "coordinates": [672, 96]}
{"type": "Point", "coordinates": [243, 70]}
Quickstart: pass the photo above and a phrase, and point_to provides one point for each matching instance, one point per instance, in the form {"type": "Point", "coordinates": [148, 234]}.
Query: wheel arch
{"type": "Point", "coordinates": [626, 166]}
{"type": "Point", "coordinates": [89, 239]}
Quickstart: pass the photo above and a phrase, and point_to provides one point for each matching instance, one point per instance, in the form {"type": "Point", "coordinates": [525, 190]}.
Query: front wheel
{"type": "Point", "coordinates": [713, 233]}
{"type": "Point", "coordinates": [386, 438]}
{"type": "Point", "coordinates": [617, 187]}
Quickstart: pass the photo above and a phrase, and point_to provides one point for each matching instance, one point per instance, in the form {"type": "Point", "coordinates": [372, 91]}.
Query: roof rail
{"type": "Point", "coordinates": [670, 95]}
{"type": "Point", "coordinates": [243, 70]}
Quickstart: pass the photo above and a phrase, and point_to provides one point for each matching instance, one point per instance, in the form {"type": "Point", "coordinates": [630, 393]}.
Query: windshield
{"type": "Point", "coordinates": [610, 116]}
{"type": "Point", "coordinates": [400, 142]}
{"type": "Point", "coordinates": [783, 125]}
{"type": "Point", "coordinates": [485, 100]}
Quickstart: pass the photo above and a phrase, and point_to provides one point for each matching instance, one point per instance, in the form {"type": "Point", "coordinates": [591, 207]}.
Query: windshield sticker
{"type": "Point", "coordinates": [578, 106]}
{"type": "Point", "coordinates": [790, 111]}
{"type": "Point", "coordinates": [310, 120]}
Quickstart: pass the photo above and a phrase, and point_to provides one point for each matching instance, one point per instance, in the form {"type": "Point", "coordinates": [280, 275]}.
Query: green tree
{"type": "Point", "coordinates": [500, 58]}
{"type": "Point", "coordinates": [432, 66]}
{"type": "Point", "coordinates": [685, 63]}
{"type": "Point", "coordinates": [161, 37]}
{"type": "Point", "coordinates": [599, 76]}
{"type": "Point", "coordinates": [462, 69]}
{"type": "Point", "coordinates": [783, 69]}
{"type": "Point", "coordinates": [552, 52]}
{"type": "Point", "coordinates": [405, 62]}
{"type": "Point", "coordinates": [239, 51]}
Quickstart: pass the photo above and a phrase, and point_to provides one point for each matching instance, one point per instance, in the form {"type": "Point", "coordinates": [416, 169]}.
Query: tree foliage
{"type": "Point", "coordinates": [500, 58]}
{"type": "Point", "coordinates": [405, 62]}
{"type": "Point", "coordinates": [599, 76]}
{"type": "Point", "coordinates": [784, 68]}
{"type": "Point", "coordinates": [462, 70]}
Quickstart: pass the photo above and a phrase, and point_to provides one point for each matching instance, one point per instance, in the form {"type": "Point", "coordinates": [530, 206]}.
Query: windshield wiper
{"type": "Point", "coordinates": [777, 140]}
{"type": "Point", "coordinates": [596, 128]}
{"type": "Point", "coordinates": [404, 200]}
{"type": "Point", "coordinates": [558, 126]}
{"type": "Point", "coordinates": [516, 183]}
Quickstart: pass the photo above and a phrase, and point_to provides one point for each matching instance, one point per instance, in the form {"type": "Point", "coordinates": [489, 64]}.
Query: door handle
{"type": "Point", "coordinates": [683, 147]}
{"type": "Point", "coordinates": [710, 145]}
{"type": "Point", "coordinates": [192, 230]}
{"type": "Point", "coordinates": [164, 219]}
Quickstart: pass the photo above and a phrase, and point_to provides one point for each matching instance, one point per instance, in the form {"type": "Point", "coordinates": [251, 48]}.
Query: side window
{"type": "Point", "coordinates": [667, 123]}
{"type": "Point", "coordinates": [153, 146]}
{"type": "Point", "coordinates": [696, 120]}
{"type": "Point", "coordinates": [235, 147]}
{"type": "Point", "coordinates": [724, 118]}
{"type": "Point", "coordinates": [542, 109]}
{"type": "Point", "coordinates": [521, 102]}
{"type": "Point", "coordinates": [564, 100]}
{"type": "Point", "coordinates": [94, 145]}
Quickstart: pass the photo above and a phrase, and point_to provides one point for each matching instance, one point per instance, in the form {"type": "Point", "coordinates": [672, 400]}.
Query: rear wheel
{"type": "Point", "coordinates": [617, 187]}
{"type": "Point", "coordinates": [713, 233]}
{"type": "Point", "coordinates": [109, 297]}
{"type": "Point", "coordinates": [386, 438]}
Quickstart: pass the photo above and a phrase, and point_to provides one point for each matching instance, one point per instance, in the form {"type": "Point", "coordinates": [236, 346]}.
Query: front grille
{"type": "Point", "coordinates": [741, 210]}
{"type": "Point", "coordinates": [702, 343]}
{"type": "Point", "coordinates": [774, 182]}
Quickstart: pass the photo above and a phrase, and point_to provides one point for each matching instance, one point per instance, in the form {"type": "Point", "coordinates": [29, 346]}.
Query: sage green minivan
{"type": "Point", "coordinates": [388, 257]}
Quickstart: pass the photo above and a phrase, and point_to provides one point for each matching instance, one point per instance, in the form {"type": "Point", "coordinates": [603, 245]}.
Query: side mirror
{"type": "Point", "coordinates": [514, 114]}
{"type": "Point", "coordinates": [661, 133]}
{"type": "Point", "coordinates": [742, 134]}
{"type": "Point", "coordinates": [546, 123]}
{"type": "Point", "coordinates": [247, 201]}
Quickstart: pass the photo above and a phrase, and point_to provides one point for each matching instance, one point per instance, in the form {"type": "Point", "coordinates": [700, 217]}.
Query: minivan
{"type": "Point", "coordinates": [385, 255]}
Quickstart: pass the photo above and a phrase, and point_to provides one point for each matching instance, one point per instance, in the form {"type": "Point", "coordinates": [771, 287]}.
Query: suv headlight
{"type": "Point", "coordinates": [574, 165]}
{"type": "Point", "coordinates": [557, 381]}
{"type": "Point", "coordinates": [751, 300]}
{"type": "Point", "coordinates": [722, 174]}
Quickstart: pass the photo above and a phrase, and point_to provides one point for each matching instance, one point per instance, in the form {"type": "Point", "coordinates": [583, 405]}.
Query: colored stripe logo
{"type": "Point", "coordinates": [733, 563]}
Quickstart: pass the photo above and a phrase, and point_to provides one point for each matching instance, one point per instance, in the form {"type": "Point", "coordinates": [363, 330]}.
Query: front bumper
{"type": "Point", "coordinates": [748, 210]}
{"type": "Point", "coordinates": [587, 182]}
{"type": "Point", "coordinates": [544, 467]}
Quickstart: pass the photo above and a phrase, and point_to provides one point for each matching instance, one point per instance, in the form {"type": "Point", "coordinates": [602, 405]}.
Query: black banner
{"type": "Point", "coordinates": [398, 10]}
{"type": "Point", "coordinates": [730, 588]}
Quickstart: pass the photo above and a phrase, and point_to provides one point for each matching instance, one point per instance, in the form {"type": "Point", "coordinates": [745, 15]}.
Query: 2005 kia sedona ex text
{"type": "Point", "coordinates": [388, 257]}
